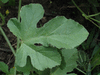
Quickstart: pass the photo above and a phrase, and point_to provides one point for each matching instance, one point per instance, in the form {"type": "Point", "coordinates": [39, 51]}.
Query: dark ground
{"type": "Point", "coordinates": [52, 8]}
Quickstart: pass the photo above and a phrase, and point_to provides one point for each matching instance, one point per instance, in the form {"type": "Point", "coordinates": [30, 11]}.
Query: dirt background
{"type": "Point", "coordinates": [52, 8]}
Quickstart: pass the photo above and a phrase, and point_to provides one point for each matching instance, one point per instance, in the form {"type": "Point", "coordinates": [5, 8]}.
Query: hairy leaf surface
{"type": "Point", "coordinates": [58, 32]}
{"type": "Point", "coordinates": [61, 33]}
{"type": "Point", "coordinates": [41, 57]}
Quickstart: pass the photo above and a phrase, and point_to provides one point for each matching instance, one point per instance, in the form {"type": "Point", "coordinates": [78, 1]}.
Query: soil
{"type": "Point", "coordinates": [52, 8]}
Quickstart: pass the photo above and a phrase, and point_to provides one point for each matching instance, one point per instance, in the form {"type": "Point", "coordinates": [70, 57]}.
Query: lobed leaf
{"type": "Point", "coordinates": [29, 19]}
{"type": "Point", "coordinates": [61, 33]}
{"type": "Point", "coordinates": [26, 69]}
{"type": "Point", "coordinates": [41, 57]}
{"type": "Point", "coordinates": [58, 32]}
{"type": "Point", "coordinates": [14, 27]}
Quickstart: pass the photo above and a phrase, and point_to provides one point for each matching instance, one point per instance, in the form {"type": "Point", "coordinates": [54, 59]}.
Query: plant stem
{"type": "Point", "coordinates": [19, 10]}
{"type": "Point", "coordinates": [3, 33]}
{"type": "Point", "coordinates": [87, 17]}
{"type": "Point", "coordinates": [15, 71]}
{"type": "Point", "coordinates": [96, 11]}
{"type": "Point", "coordinates": [95, 20]}
{"type": "Point", "coordinates": [94, 23]}
{"type": "Point", "coordinates": [78, 7]}
{"type": "Point", "coordinates": [81, 71]}
{"type": "Point", "coordinates": [18, 40]}
{"type": "Point", "coordinates": [93, 15]}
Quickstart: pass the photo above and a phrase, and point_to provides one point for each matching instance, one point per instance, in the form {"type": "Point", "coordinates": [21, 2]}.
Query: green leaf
{"type": "Point", "coordinates": [4, 67]}
{"type": "Point", "coordinates": [25, 30]}
{"type": "Point", "coordinates": [29, 19]}
{"type": "Point", "coordinates": [96, 59]}
{"type": "Point", "coordinates": [26, 69]}
{"type": "Point", "coordinates": [58, 32]}
{"type": "Point", "coordinates": [4, 1]}
{"type": "Point", "coordinates": [61, 33]}
{"type": "Point", "coordinates": [70, 56]}
{"type": "Point", "coordinates": [11, 71]}
{"type": "Point", "coordinates": [41, 57]}
{"type": "Point", "coordinates": [72, 74]}
{"type": "Point", "coordinates": [30, 15]}
{"type": "Point", "coordinates": [45, 72]}
{"type": "Point", "coordinates": [96, 50]}
{"type": "Point", "coordinates": [14, 26]}
{"type": "Point", "coordinates": [98, 73]}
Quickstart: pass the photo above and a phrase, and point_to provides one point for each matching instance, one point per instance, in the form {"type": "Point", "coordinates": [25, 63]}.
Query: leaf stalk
{"type": "Point", "coordinates": [18, 40]}
{"type": "Point", "coordinates": [3, 33]}
{"type": "Point", "coordinates": [81, 71]}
